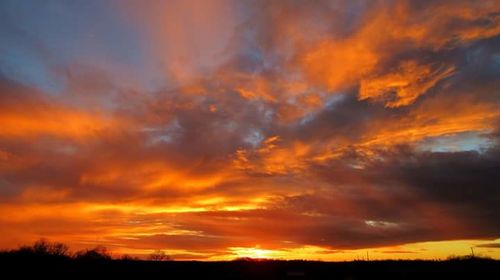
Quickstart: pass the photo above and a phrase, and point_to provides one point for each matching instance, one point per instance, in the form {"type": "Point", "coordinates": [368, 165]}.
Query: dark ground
{"type": "Point", "coordinates": [19, 266]}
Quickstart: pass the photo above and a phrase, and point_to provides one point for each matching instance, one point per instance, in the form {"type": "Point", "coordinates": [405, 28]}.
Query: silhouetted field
{"type": "Point", "coordinates": [22, 266]}
{"type": "Point", "coordinates": [56, 262]}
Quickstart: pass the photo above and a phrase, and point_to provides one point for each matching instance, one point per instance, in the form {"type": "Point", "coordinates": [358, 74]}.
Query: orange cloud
{"type": "Point", "coordinates": [344, 61]}
{"type": "Point", "coordinates": [405, 85]}
{"type": "Point", "coordinates": [272, 158]}
{"type": "Point", "coordinates": [436, 118]}
{"type": "Point", "coordinates": [52, 121]}
{"type": "Point", "coordinates": [26, 113]}
{"type": "Point", "coordinates": [339, 63]}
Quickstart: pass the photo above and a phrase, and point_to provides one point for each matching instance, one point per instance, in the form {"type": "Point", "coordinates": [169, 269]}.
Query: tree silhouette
{"type": "Point", "coordinates": [43, 247]}
{"type": "Point", "coordinates": [41, 258]}
{"type": "Point", "coordinates": [159, 256]}
{"type": "Point", "coordinates": [98, 253]}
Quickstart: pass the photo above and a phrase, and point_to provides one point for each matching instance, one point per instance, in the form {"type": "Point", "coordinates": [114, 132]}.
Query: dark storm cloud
{"type": "Point", "coordinates": [466, 181]}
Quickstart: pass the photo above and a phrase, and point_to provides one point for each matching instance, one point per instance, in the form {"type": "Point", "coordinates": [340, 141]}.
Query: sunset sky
{"type": "Point", "coordinates": [217, 129]}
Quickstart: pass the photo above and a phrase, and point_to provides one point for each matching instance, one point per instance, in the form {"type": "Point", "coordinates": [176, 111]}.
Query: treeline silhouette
{"type": "Point", "coordinates": [55, 250]}
{"type": "Point", "coordinates": [54, 260]}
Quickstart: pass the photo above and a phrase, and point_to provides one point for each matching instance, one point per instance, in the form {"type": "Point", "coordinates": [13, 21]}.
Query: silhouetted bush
{"type": "Point", "coordinates": [43, 247]}
{"type": "Point", "coordinates": [469, 258]}
{"type": "Point", "coordinates": [98, 253]}
{"type": "Point", "coordinates": [159, 256]}
{"type": "Point", "coordinates": [126, 257]}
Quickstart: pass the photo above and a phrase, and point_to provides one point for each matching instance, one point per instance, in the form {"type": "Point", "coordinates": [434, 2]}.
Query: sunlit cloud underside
{"type": "Point", "coordinates": [215, 130]}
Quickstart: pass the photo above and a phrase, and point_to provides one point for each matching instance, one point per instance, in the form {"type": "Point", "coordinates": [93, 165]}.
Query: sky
{"type": "Point", "coordinates": [218, 129]}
